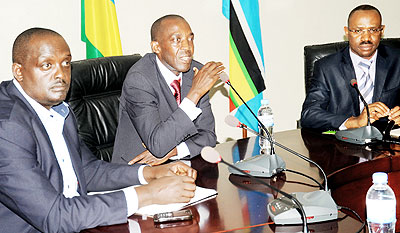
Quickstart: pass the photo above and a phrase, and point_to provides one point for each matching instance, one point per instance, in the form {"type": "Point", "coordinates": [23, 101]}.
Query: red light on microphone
{"type": "Point", "coordinates": [353, 82]}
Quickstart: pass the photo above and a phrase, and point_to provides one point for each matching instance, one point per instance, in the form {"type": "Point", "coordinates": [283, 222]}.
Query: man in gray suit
{"type": "Point", "coordinates": [46, 170]}
{"type": "Point", "coordinates": [331, 102]}
{"type": "Point", "coordinates": [155, 117]}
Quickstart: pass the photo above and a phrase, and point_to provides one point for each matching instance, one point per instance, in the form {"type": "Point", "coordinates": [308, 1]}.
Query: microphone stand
{"type": "Point", "coordinates": [362, 135]}
{"type": "Point", "coordinates": [354, 84]}
{"type": "Point", "coordinates": [328, 202]}
{"type": "Point", "coordinates": [293, 199]}
{"type": "Point", "coordinates": [263, 165]}
{"type": "Point", "coordinates": [301, 156]}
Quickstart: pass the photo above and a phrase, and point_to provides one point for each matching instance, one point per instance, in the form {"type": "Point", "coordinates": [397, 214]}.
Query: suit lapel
{"type": "Point", "coordinates": [348, 75]}
{"type": "Point", "coordinates": [186, 82]}
{"type": "Point", "coordinates": [380, 75]}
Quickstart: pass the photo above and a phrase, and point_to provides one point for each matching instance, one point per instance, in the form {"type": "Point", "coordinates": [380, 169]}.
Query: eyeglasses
{"type": "Point", "coordinates": [373, 31]}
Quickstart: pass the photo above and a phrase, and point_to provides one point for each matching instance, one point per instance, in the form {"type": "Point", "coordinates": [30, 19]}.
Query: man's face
{"type": "Point", "coordinates": [364, 32]}
{"type": "Point", "coordinates": [46, 73]}
{"type": "Point", "coordinates": [174, 45]}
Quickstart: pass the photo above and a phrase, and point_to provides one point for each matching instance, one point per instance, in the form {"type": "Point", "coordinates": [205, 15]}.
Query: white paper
{"type": "Point", "coordinates": [395, 133]}
{"type": "Point", "coordinates": [200, 195]}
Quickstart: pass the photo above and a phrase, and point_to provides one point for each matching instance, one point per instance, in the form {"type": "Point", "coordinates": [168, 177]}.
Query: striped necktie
{"type": "Point", "coordinates": [365, 85]}
{"type": "Point", "coordinates": [176, 85]}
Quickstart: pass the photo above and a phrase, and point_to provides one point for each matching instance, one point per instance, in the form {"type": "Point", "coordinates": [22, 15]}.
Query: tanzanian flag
{"type": "Point", "coordinates": [246, 58]}
{"type": "Point", "coordinates": [99, 29]}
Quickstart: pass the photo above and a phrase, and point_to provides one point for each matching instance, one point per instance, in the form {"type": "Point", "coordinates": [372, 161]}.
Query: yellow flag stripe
{"type": "Point", "coordinates": [239, 77]}
{"type": "Point", "coordinates": [101, 27]}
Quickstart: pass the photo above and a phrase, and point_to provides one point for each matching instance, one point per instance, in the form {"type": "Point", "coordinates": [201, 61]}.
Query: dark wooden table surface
{"type": "Point", "coordinates": [241, 202]}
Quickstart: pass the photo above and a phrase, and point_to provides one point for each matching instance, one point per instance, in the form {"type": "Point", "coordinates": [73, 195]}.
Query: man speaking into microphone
{"type": "Point", "coordinates": [331, 102]}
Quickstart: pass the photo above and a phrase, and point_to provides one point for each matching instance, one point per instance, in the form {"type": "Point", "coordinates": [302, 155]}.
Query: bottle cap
{"type": "Point", "coordinates": [379, 178]}
{"type": "Point", "coordinates": [264, 101]}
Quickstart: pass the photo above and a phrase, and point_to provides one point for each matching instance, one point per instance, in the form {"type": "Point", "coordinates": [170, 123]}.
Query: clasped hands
{"type": "Point", "coordinates": [376, 110]}
{"type": "Point", "coordinates": [167, 183]}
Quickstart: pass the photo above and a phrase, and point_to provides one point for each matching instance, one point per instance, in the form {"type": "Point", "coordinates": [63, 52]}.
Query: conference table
{"type": "Point", "coordinates": [241, 203]}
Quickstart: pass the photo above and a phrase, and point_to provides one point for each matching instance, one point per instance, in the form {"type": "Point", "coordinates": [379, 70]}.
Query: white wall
{"type": "Point", "coordinates": [286, 25]}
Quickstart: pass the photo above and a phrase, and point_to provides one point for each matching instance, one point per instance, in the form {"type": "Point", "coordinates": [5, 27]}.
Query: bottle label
{"type": "Point", "coordinates": [381, 211]}
{"type": "Point", "coordinates": [267, 120]}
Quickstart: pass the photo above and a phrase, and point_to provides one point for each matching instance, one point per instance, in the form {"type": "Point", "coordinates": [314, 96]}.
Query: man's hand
{"type": "Point", "coordinates": [171, 169]}
{"type": "Point", "coordinates": [204, 79]}
{"type": "Point", "coordinates": [394, 115]}
{"type": "Point", "coordinates": [165, 190]}
{"type": "Point", "coordinates": [148, 158]}
{"type": "Point", "coordinates": [376, 111]}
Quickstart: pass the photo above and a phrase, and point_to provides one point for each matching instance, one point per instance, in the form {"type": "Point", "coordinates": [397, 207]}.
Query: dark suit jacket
{"type": "Point", "coordinates": [331, 99]}
{"type": "Point", "coordinates": [149, 114]}
{"type": "Point", "coordinates": [31, 183]}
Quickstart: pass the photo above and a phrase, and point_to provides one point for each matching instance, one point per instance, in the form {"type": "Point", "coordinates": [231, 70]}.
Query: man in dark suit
{"type": "Point", "coordinates": [156, 118]}
{"type": "Point", "coordinates": [46, 170]}
{"type": "Point", "coordinates": [331, 102]}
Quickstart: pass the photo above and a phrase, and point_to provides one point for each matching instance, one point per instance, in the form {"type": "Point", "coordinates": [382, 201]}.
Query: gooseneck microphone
{"type": "Point", "coordinates": [210, 155]}
{"type": "Point", "coordinates": [319, 205]}
{"type": "Point", "coordinates": [262, 165]}
{"type": "Point", "coordinates": [354, 84]}
{"type": "Point", "coordinates": [233, 119]}
{"type": "Point", "coordinates": [362, 135]}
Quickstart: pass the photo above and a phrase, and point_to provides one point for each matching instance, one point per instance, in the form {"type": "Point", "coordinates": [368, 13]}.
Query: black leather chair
{"type": "Point", "coordinates": [313, 53]}
{"type": "Point", "coordinates": [96, 86]}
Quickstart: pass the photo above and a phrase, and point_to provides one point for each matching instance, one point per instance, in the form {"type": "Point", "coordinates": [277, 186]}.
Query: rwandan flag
{"type": "Point", "coordinates": [100, 28]}
{"type": "Point", "coordinates": [246, 58]}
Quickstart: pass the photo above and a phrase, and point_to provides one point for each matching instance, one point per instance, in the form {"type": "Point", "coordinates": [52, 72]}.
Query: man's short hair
{"type": "Point", "coordinates": [155, 28]}
{"type": "Point", "coordinates": [364, 7]}
{"type": "Point", "coordinates": [20, 47]}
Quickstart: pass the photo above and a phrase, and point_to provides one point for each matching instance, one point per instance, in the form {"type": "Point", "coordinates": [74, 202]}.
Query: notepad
{"type": "Point", "coordinates": [395, 133]}
{"type": "Point", "coordinates": [201, 194]}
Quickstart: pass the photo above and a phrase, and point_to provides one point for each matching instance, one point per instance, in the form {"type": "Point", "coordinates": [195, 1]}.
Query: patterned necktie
{"type": "Point", "coordinates": [365, 85]}
{"type": "Point", "coordinates": [177, 90]}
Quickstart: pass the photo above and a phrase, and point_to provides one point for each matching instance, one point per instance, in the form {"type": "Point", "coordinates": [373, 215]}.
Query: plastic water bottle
{"type": "Point", "coordinates": [381, 205]}
{"type": "Point", "coordinates": [266, 116]}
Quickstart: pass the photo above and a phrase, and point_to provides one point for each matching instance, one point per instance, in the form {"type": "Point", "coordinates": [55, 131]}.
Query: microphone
{"type": "Point", "coordinates": [320, 204]}
{"type": "Point", "coordinates": [210, 155]}
{"type": "Point", "coordinates": [289, 150]}
{"type": "Point", "coordinates": [353, 83]}
{"type": "Point", "coordinates": [234, 122]}
{"type": "Point", "coordinates": [362, 135]}
{"type": "Point", "coordinates": [261, 165]}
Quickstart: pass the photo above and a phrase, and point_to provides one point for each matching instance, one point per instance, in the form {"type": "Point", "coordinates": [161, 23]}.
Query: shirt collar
{"type": "Point", "coordinates": [62, 109]}
{"type": "Point", "coordinates": [166, 73]}
{"type": "Point", "coordinates": [357, 59]}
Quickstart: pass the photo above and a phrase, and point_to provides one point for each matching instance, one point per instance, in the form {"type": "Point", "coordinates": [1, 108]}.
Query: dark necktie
{"type": "Point", "coordinates": [177, 90]}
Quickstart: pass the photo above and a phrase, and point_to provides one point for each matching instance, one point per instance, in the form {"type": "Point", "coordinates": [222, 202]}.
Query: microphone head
{"type": "Point", "coordinates": [210, 155]}
{"type": "Point", "coordinates": [232, 121]}
{"type": "Point", "coordinates": [224, 77]}
{"type": "Point", "coordinates": [353, 82]}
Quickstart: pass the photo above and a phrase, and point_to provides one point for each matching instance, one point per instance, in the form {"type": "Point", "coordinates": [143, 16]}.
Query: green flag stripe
{"type": "Point", "coordinates": [249, 81]}
{"type": "Point", "coordinates": [91, 51]}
